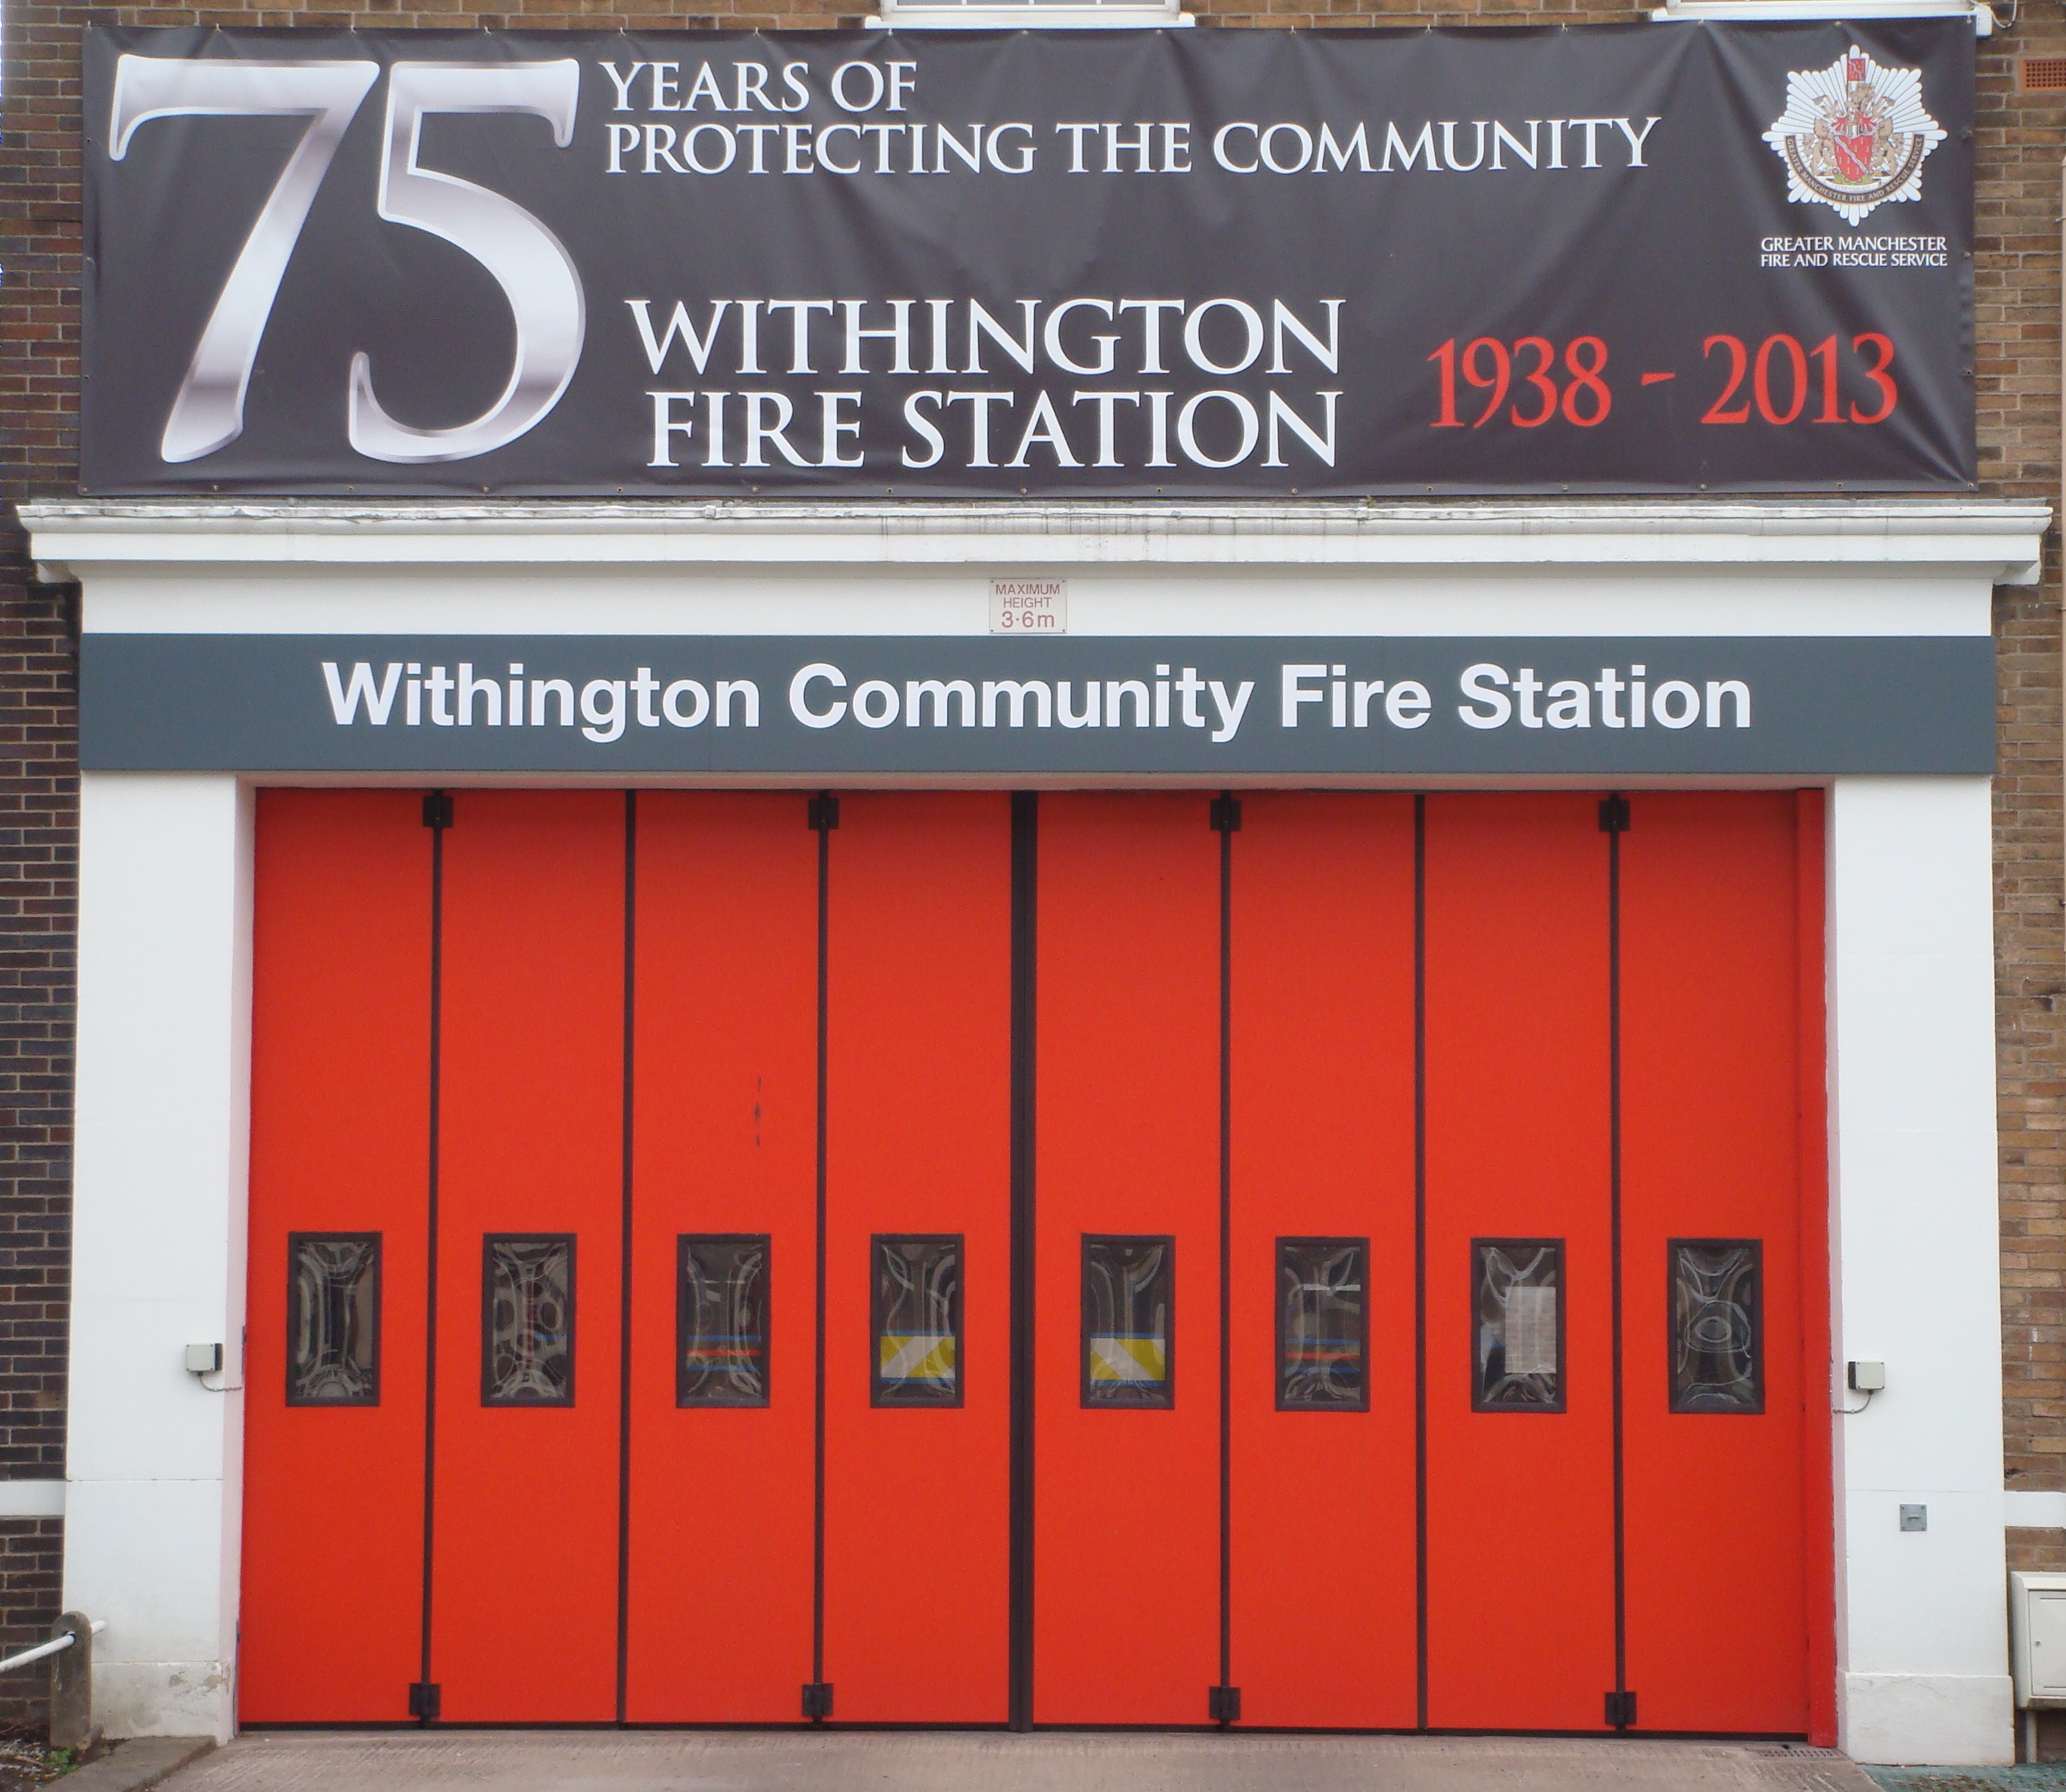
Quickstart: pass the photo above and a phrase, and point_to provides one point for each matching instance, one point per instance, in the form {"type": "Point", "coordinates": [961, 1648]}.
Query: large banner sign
{"type": "Point", "coordinates": [828, 709]}
{"type": "Point", "coordinates": [1184, 263]}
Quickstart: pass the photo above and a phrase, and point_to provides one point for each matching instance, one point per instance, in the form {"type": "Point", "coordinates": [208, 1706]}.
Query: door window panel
{"type": "Point", "coordinates": [333, 1319]}
{"type": "Point", "coordinates": [1517, 1355]}
{"type": "Point", "coordinates": [1323, 1324]}
{"type": "Point", "coordinates": [721, 1320]}
{"type": "Point", "coordinates": [916, 1309]}
{"type": "Point", "coordinates": [1717, 1325]}
{"type": "Point", "coordinates": [527, 1354]}
{"type": "Point", "coordinates": [1129, 1327]}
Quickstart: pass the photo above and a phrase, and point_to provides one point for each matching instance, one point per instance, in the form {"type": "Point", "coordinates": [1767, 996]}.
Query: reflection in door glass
{"type": "Point", "coordinates": [1518, 1351]}
{"type": "Point", "coordinates": [333, 1319]}
{"type": "Point", "coordinates": [1129, 1301]}
{"type": "Point", "coordinates": [527, 1355]}
{"type": "Point", "coordinates": [1716, 1326]}
{"type": "Point", "coordinates": [1323, 1324]}
{"type": "Point", "coordinates": [721, 1320]}
{"type": "Point", "coordinates": [918, 1320]}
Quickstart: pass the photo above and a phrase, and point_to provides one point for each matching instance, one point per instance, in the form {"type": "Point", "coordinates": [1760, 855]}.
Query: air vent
{"type": "Point", "coordinates": [2042, 74]}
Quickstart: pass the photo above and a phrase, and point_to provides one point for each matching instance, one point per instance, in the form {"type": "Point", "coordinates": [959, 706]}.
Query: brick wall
{"type": "Point", "coordinates": [2020, 141]}
{"type": "Point", "coordinates": [31, 1562]}
{"type": "Point", "coordinates": [38, 788]}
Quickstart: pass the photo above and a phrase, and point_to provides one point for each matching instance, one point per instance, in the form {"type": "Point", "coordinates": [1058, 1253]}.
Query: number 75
{"type": "Point", "coordinates": [537, 275]}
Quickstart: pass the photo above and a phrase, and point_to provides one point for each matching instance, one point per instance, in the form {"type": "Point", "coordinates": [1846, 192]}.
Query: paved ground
{"type": "Point", "coordinates": [2050, 1778]}
{"type": "Point", "coordinates": [138, 1764]}
{"type": "Point", "coordinates": [731, 1762]}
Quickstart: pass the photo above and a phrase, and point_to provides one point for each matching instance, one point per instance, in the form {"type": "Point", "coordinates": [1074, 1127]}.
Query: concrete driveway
{"type": "Point", "coordinates": [679, 1761]}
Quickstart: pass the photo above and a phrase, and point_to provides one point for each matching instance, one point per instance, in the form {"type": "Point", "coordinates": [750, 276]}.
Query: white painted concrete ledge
{"type": "Point", "coordinates": [2030, 1509]}
{"type": "Point", "coordinates": [1997, 540]}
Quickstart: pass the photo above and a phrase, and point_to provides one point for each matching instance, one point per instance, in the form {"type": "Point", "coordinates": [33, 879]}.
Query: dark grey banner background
{"type": "Point", "coordinates": [1652, 261]}
{"type": "Point", "coordinates": [259, 703]}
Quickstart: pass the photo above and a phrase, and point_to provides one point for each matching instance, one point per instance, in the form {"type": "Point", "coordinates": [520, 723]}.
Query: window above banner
{"type": "Point", "coordinates": [1160, 264]}
{"type": "Point", "coordinates": [1053, 15]}
{"type": "Point", "coordinates": [1812, 11]}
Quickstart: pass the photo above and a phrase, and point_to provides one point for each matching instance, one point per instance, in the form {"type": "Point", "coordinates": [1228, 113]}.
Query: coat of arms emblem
{"type": "Point", "coordinates": [1854, 135]}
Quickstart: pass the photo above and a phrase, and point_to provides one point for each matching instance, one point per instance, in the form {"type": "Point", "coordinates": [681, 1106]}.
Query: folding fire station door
{"type": "Point", "coordinates": [917, 1250]}
{"type": "Point", "coordinates": [724, 1324]}
{"type": "Point", "coordinates": [877, 1574]}
{"type": "Point", "coordinates": [1126, 1555]}
{"type": "Point", "coordinates": [523, 1571]}
{"type": "Point", "coordinates": [1720, 927]}
{"type": "Point", "coordinates": [330, 1625]}
{"type": "Point", "coordinates": [1323, 1604]}
{"type": "Point", "coordinates": [1519, 1354]}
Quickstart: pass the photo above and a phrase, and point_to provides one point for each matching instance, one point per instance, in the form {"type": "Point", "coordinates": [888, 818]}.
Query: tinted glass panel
{"type": "Point", "coordinates": [1323, 1324]}
{"type": "Point", "coordinates": [918, 1320]}
{"type": "Point", "coordinates": [721, 1321]}
{"type": "Point", "coordinates": [1517, 1295]}
{"type": "Point", "coordinates": [1717, 1298]}
{"type": "Point", "coordinates": [333, 1319]}
{"type": "Point", "coordinates": [1129, 1306]}
{"type": "Point", "coordinates": [528, 1319]}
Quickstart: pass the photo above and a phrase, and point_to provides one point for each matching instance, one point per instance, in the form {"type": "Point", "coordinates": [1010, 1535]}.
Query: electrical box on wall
{"type": "Point", "coordinates": [2037, 1638]}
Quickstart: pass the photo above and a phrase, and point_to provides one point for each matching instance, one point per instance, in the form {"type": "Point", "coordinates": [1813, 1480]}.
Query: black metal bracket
{"type": "Point", "coordinates": [1226, 814]}
{"type": "Point", "coordinates": [1621, 1711]}
{"type": "Point", "coordinates": [822, 815]}
{"type": "Point", "coordinates": [425, 1697]}
{"type": "Point", "coordinates": [437, 809]}
{"type": "Point", "coordinates": [817, 1699]}
{"type": "Point", "coordinates": [1613, 815]}
{"type": "Point", "coordinates": [1223, 1703]}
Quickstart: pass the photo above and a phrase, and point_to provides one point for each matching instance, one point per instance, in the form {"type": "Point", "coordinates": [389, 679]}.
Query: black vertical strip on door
{"type": "Point", "coordinates": [1420, 1259]}
{"type": "Point", "coordinates": [1614, 821]}
{"type": "Point", "coordinates": [423, 1701]}
{"type": "Point", "coordinates": [1224, 1704]}
{"type": "Point", "coordinates": [624, 1266]}
{"type": "Point", "coordinates": [822, 816]}
{"type": "Point", "coordinates": [1025, 918]}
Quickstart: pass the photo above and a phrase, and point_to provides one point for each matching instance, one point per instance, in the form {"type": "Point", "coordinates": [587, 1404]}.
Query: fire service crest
{"type": "Point", "coordinates": [1854, 135]}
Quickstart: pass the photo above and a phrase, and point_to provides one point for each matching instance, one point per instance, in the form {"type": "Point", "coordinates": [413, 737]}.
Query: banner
{"type": "Point", "coordinates": [1201, 263]}
{"type": "Point", "coordinates": [835, 709]}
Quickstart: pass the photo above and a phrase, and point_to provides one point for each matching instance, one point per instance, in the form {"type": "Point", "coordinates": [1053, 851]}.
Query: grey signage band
{"type": "Point", "coordinates": [855, 707]}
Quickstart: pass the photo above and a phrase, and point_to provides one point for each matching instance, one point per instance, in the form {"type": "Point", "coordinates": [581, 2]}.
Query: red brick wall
{"type": "Point", "coordinates": [37, 799]}
{"type": "Point", "coordinates": [31, 1563]}
{"type": "Point", "coordinates": [2020, 141]}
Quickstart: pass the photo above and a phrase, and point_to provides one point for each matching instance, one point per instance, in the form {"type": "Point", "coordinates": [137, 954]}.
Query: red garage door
{"type": "Point", "coordinates": [332, 1623]}
{"type": "Point", "coordinates": [720, 1483]}
{"type": "Point", "coordinates": [1321, 1544]}
{"type": "Point", "coordinates": [1096, 1259]}
{"type": "Point", "coordinates": [1715, 968]}
{"type": "Point", "coordinates": [1126, 1546]}
{"type": "Point", "coordinates": [1520, 1335]}
{"type": "Point", "coordinates": [917, 1252]}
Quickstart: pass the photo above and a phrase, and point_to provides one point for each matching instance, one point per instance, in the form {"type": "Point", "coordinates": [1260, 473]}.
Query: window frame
{"type": "Point", "coordinates": [1084, 1398]}
{"type": "Point", "coordinates": [881, 1395]}
{"type": "Point", "coordinates": [683, 1241]}
{"type": "Point", "coordinates": [488, 1241]}
{"type": "Point", "coordinates": [1689, 12]}
{"type": "Point", "coordinates": [1671, 1247]}
{"type": "Point", "coordinates": [1561, 1246]}
{"type": "Point", "coordinates": [1002, 15]}
{"type": "Point", "coordinates": [1362, 1341]}
{"type": "Point", "coordinates": [295, 1240]}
